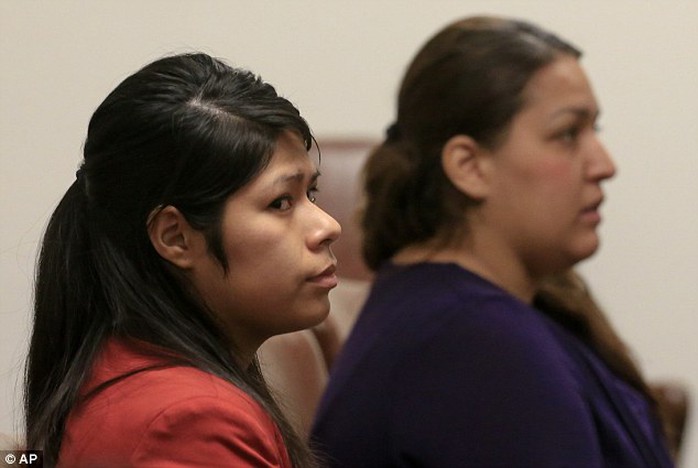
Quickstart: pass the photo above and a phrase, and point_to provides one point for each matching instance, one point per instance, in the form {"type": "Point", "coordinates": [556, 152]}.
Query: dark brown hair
{"type": "Point", "coordinates": [566, 299]}
{"type": "Point", "coordinates": [468, 79]}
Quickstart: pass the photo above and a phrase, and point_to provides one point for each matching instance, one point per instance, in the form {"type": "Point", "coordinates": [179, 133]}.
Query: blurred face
{"type": "Point", "coordinates": [277, 243]}
{"type": "Point", "coordinates": [547, 174]}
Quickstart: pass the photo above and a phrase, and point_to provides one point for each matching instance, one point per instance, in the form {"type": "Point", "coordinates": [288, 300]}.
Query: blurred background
{"type": "Point", "coordinates": [340, 62]}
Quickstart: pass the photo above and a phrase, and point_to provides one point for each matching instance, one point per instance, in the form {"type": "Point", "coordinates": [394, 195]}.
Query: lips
{"type": "Point", "coordinates": [593, 206]}
{"type": "Point", "coordinates": [591, 212]}
{"type": "Point", "coordinates": [326, 279]}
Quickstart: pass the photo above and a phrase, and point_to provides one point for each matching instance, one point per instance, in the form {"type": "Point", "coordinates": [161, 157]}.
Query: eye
{"type": "Point", "coordinates": [312, 194]}
{"type": "Point", "coordinates": [569, 135]}
{"type": "Point", "coordinates": [282, 203]}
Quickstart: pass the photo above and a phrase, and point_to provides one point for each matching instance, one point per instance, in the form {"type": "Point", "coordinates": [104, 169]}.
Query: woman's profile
{"type": "Point", "coordinates": [188, 238]}
{"type": "Point", "coordinates": [489, 182]}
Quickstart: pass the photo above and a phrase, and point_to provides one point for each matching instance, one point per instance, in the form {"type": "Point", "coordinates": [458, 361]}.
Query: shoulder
{"type": "Point", "coordinates": [147, 384]}
{"type": "Point", "coordinates": [174, 413]}
{"type": "Point", "coordinates": [453, 331]}
{"type": "Point", "coordinates": [434, 300]}
{"type": "Point", "coordinates": [215, 423]}
{"type": "Point", "coordinates": [160, 390]}
{"type": "Point", "coordinates": [490, 334]}
{"type": "Point", "coordinates": [429, 286]}
{"type": "Point", "coordinates": [458, 353]}
{"type": "Point", "coordinates": [446, 312]}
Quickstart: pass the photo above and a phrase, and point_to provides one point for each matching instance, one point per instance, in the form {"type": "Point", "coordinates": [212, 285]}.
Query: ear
{"type": "Point", "coordinates": [463, 162]}
{"type": "Point", "coordinates": [173, 237]}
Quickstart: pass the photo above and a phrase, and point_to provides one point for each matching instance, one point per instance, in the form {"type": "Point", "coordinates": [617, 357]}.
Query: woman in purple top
{"type": "Point", "coordinates": [488, 184]}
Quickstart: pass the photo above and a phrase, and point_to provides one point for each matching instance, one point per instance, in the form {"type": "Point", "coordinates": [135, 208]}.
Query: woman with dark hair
{"type": "Point", "coordinates": [489, 183]}
{"type": "Point", "coordinates": [188, 238]}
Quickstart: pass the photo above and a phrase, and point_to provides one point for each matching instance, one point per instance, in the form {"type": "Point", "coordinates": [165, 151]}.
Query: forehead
{"type": "Point", "coordinates": [557, 86]}
{"type": "Point", "coordinates": [290, 160]}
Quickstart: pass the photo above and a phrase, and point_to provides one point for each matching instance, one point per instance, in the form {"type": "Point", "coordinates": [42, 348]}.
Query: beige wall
{"type": "Point", "coordinates": [340, 62]}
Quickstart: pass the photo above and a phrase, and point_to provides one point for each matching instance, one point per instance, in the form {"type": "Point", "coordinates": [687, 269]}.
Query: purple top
{"type": "Point", "coordinates": [444, 369]}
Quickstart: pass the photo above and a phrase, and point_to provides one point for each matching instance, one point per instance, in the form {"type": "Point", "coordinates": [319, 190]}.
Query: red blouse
{"type": "Point", "coordinates": [169, 417]}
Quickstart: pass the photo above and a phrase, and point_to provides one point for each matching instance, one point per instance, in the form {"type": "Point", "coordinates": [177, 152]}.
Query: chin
{"type": "Point", "coordinates": [320, 316]}
{"type": "Point", "coordinates": [585, 250]}
{"type": "Point", "coordinates": [311, 316]}
{"type": "Point", "coordinates": [569, 257]}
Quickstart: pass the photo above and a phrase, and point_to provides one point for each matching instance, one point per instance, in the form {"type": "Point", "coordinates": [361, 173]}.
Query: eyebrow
{"type": "Point", "coordinates": [582, 112]}
{"type": "Point", "coordinates": [298, 176]}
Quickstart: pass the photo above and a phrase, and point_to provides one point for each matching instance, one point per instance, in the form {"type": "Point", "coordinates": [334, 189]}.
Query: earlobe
{"type": "Point", "coordinates": [462, 161]}
{"type": "Point", "coordinates": [173, 237]}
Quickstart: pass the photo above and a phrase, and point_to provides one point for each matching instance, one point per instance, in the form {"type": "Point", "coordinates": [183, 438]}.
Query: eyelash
{"type": "Point", "coordinates": [312, 194]}
{"type": "Point", "coordinates": [277, 204]}
{"type": "Point", "coordinates": [572, 133]}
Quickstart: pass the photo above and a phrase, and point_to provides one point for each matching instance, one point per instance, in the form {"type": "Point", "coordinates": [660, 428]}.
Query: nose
{"type": "Point", "coordinates": [600, 166]}
{"type": "Point", "coordinates": [325, 229]}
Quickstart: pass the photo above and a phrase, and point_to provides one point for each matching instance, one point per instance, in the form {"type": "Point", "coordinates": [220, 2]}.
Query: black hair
{"type": "Point", "coordinates": [188, 131]}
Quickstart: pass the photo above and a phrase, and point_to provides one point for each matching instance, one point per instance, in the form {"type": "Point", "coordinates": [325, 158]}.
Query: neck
{"type": "Point", "coordinates": [495, 265]}
{"type": "Point", "coordinates": [244, 350]}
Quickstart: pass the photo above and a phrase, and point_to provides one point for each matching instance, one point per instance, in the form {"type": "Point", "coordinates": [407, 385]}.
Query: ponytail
{"type": "Point", "coordinates": [63, 342]}
{"type": "Point", "coordinates": [468, 79]}
{"type": "Point", "coordinates": [407, 199]}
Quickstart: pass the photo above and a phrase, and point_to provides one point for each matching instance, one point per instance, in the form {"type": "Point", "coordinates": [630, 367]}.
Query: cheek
{"type": "Point", "coordinates": [259, 280]}
{"type": "Point", "coordinates": [556, 181]}
{"type": "Point", "coordinates": [555, 168]}
{"type": "Point", "coordinates": [541, 199]}
{"type": "Point", "coordinates": [539, 186]}
{"type": "Point", "coordinates": [263, 251]}
{"type": "Point", "coordinates": [258, 251]}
